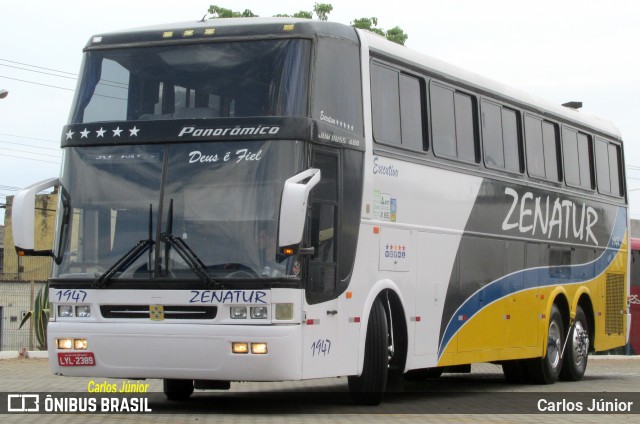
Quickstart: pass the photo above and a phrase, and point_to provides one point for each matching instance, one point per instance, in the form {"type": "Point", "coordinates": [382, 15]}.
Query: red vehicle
{"type": "Point", "coordinates": [634, 339]}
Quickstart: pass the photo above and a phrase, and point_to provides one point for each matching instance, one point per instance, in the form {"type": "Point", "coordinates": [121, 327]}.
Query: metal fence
{"type": "Point", "coordinates": [16, 299]}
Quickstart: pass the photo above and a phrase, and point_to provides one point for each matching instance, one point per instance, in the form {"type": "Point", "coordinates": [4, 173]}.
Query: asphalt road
{"type": "Point", "coordinates": [481, 396]}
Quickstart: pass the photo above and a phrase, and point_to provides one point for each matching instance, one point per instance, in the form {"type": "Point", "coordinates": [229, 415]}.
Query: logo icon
{"type": "Point", "coordinates": [156, 312]}
{"type": "Point", "coordinates": [23, 403]}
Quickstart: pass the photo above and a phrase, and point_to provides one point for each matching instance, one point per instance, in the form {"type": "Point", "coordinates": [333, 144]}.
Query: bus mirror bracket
{"type": "Point", "coordinates": [23, 218]}
{"type": "Point", "coordinates": [293, 208]}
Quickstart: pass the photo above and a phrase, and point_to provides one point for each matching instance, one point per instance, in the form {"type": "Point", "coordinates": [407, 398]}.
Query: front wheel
{"type": "Point", "coordinates": [369, 387]}
{"type": "Point", "coordinates": [546, 370]}
{"type": "Point", "coordinates": [576, 353]}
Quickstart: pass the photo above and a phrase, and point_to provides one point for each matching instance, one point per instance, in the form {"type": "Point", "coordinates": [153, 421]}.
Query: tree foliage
{"type": "Point", "coordinates": [321, 11]}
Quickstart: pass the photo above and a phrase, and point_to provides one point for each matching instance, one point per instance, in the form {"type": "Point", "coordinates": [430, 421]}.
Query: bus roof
{"type": "Point", "coordinates": [212, 29]}
{"type": "Point", "coordinates": [193, 31]}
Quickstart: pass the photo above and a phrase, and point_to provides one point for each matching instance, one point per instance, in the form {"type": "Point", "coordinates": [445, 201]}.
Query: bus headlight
{"type": "Point", "coordinates": [64, 343]}
{"type": "Point", "coordinates": [259, 348]}
{"type": "Point", "coordinates": [259, 312]}
{"type": "Point", "coordinates": [65, 311]}
{"type": "Point", "coordinates": [240, 347]}
{"type": "Point", "coordinates": [83, 311]}
{"type": "Point", "coordinates": [238, 312]}
{"type": "Point", "coordinates": [80, 344]}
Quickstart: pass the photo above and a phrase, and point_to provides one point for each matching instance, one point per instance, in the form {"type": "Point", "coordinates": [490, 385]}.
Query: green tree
{"type": "Point", "coordinates": [221, 12]}
{"type": "Point", "coordinates": [322, 11]}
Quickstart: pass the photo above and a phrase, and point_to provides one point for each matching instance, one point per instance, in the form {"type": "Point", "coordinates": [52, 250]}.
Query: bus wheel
{"type": "Point", "coordinates": [177, 389]}
{"type": "Point", "coordinates": [546, 370]}
{"type": "Point", "coordinates": [576, 353]}
{"type": "Point", "coordinates": [369, 387]}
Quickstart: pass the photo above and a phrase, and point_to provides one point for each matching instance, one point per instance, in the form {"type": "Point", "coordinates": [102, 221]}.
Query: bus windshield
{"type": "Point", "coordinates": [230, 79]}
{"type": "Point", "coordinates": [220, 200]}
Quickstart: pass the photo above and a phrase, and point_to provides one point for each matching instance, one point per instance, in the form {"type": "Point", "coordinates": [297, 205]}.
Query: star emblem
{"type": "Point", "coordinates": [134, 132]}
{"type": "Point", "coordinates": [85, 133]}
{"type": "Point", "coordinates": [116, 132]}
{"type": "Point", "coordinates": [69, 135]}
{"type": "Point", "coordinates": [100, 132]}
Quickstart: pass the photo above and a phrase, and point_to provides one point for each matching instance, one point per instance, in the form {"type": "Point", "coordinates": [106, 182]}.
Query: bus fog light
{"type": "Point", "coordinates": [65, 311]}
{"type": "Point", "coordinates": [64, 343]}
{"type": "Point", "coordinates": [259, 348]}
{"type": "Point", "coordinates": [238, 312]}
{"type": "Point", "coordinates": [80, 344]}
{"type": "Point", "coordinates": [259, 312]}
{"type": "Point", "coordinates": [284, 311]}
{"type": "Point", "coordinates": [240, 347]}
{"type": "Point", "coordinates": [83, 311]}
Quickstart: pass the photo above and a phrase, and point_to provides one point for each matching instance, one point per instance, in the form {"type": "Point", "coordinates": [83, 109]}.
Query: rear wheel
{"type": "Point", "coordinates": [576, 353]}
{"type": "Point", "coordinates": [369, 387]}
{"type": "Point", "coordinates": [546, 370]}
{"type": "Point", "coordinates": [177, 389]}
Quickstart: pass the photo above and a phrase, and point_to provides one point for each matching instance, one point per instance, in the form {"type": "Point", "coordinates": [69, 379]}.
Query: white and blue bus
{"type": "Point", "coordinates": [276, 199]}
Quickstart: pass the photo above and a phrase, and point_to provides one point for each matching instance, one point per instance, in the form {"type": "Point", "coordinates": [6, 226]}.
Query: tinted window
{"type": "Point", "coordinates": [585, 156]}
{"type": "Point", "coordinates": [385, 98]}
{"type": "Point", "coordinates": [465, 128]}
{"type": "Point", "coordinates": [512, 140]}
{"type": "Point", "coordinates": [542, 142]}
{"type": "Point", "coordinates": [338, 94]}
{"type": "Point", "coordinates": [397, 107]}
{"type": "Point", "coordinates": [614, 169]}
{"type": "Point", "coordinates": [492, 135]}
{"type": "Point", "coordinates": [571, 162]}
{"type": "Point", "coordinates": [411, 112]}
{"type": "Point", "coordinates": [577, 158]}
{"type": "Point", "coordinates": [602, 166]}
{"type": "Point", "coordinates": [550, 145]}
{"type": "Point", "coordinates": [533, 139]}
{"type": "Point", "coordinates": [443, 121]}
{"type": "Point", "coordinates": [609, 167]}
{"type": "Point", "coordinates": [500, 138]}
{"type": "Point", "coordinates": [453, 123]}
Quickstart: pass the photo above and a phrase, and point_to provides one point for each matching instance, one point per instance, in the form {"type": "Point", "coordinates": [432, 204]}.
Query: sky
{"type": "Point", "coordinates": [562, 51]}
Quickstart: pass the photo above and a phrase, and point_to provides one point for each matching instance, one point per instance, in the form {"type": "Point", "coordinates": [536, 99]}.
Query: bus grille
{"type": "Point", "coordinates": [613, 320]}
{"type": "Point", "coordinates": [170, 312]}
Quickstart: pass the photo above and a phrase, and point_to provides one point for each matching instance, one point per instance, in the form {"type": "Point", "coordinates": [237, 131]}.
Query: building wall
{"type": "Point", "coordinates": [635, 228]}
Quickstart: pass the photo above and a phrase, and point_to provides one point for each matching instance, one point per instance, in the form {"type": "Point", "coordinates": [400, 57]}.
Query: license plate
{"type": "Point", "coordinates": [76, 359]}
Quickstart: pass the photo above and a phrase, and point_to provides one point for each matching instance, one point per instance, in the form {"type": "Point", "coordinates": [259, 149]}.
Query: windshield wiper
{"type": "Point", "coordinates": [128, 258]}
{"type": "Point", "coordinates": [184, 251]}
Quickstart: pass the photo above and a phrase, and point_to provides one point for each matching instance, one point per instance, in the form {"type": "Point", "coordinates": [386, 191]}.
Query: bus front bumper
{"type": "Point", "coordinates": [180, 351]}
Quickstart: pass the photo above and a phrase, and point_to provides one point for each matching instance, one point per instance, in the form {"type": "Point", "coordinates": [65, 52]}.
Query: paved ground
{"type": "Point", "coordinates": [449, 399]}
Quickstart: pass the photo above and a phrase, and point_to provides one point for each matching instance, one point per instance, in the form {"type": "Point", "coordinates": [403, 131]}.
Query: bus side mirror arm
{"type": "Point", "coordinates": [293, 207]}
{"type": "Point", "coordinates": [23, 218]}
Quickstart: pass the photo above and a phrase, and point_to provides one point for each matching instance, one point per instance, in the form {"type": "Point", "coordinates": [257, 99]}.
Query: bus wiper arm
{"type": "Point", "coordinates": [128, 258]}
{"type": "Point", "coordinates": [190, 258]}
{"type": "Point", "coordinates": [184, 251]}
{"type": "Point", "coordinates": [123, 263]}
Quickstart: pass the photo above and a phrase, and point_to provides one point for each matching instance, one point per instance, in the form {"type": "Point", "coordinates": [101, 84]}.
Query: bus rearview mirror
{"type": "Point", "coordinates": [293, 208]}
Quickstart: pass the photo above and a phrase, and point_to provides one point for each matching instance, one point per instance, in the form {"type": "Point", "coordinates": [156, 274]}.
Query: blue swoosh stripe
{"type": "Point", "coordinates": [538, 277]}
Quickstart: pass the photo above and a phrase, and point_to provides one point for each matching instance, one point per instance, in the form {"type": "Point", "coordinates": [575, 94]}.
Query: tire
{"type": "Point", "coordinates": [576, 354]}
{"type": "Point", "coordinates": [546, 370]}
{"type": "Point", "coordinates": [177, 389]}
{"type": "Point", "coordinates": [369, 387]}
